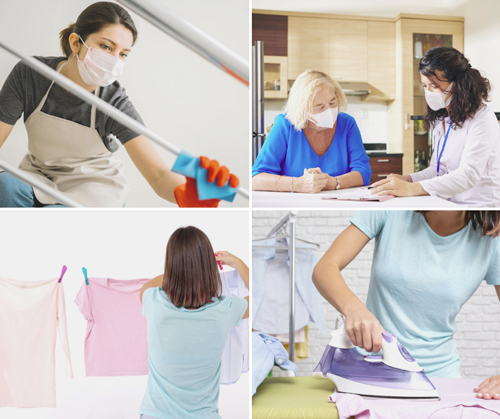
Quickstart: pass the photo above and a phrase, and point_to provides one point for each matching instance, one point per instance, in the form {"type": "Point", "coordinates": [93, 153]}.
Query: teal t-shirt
{"type": "Point", "coordinates": [184, 355]}
{"type": "Point", "coordinates": [420, 280]}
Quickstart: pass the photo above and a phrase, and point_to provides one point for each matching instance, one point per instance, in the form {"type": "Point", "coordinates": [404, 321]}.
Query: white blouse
{"type": "Point", "coordinates": [469, 171]}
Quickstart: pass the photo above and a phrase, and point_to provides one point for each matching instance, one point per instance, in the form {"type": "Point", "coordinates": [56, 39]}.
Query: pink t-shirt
{"type": "Point", "coordinates": [31, 313]}
{"type": "Point", "coordinates": [116, 339]}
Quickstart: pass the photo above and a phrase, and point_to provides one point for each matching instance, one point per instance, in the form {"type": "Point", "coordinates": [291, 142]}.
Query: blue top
{"type": "Point", "coordinates": [184, 355]}
{"type": "Point", "coordinates": [420, 280]}
{"type": "Point", "coordinates": [287, 152]}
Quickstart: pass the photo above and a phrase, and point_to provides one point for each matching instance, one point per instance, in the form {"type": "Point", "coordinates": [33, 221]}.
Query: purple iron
{"type": "Point", "coordinates": [395, 374]}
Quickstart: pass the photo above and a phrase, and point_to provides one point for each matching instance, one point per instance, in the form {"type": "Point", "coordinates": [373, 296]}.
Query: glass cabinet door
{"type": "Point", "coordinates": [422, 142]}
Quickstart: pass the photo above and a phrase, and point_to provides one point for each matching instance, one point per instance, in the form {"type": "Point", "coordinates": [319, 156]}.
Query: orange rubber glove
{"type": "Point", "coordinates": [186, 195]}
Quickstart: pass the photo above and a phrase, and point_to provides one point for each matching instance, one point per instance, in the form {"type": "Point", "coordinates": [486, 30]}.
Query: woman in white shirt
{"type": "Point", "coordinates": [465, 165]}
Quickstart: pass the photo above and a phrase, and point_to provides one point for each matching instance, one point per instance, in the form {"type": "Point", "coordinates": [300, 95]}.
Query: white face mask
{"type": "Point", "coordinates": [436, 100]}
{"type": "Point", "coordinates": [99, 68]}
{"type": "Point", "coordinates": [325, 119]}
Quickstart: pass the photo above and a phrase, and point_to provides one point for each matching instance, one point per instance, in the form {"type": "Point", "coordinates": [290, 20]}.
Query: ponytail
{"type": "Point", "coordinates": [64, 39]}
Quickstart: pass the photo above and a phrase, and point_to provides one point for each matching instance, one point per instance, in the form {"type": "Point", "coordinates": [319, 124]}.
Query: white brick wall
{"type": "Point", "coordinates": [478, 333]}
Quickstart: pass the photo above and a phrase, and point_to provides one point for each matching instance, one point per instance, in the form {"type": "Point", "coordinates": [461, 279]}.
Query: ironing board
{"type": "Point", "coordinates": [294, 397]}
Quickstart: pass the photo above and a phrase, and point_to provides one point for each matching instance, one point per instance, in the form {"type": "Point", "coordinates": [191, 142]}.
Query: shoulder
{"type": "Point", "coordinates": [150, 295]}
{"type": "Point", "coordinates": [485, 115]}
{"type": "Point", "coordinates": [345, 121]}
{"type": "Point", "coordinates": [282, 122]}
{"type": "Point", "coordinates": [114, 93]}
{"type": "Point", "coordinates": [23, 69]}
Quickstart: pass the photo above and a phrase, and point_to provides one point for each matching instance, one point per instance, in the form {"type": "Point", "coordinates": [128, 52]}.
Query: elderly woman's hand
{"type": "Point", "coordinates": [489, 388]}
{"type": "Point", "coordinates": [310, 182]}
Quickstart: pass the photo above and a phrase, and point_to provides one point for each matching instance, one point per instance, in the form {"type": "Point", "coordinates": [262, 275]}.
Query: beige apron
{"type": "Point", "coordinates": [73, 159]}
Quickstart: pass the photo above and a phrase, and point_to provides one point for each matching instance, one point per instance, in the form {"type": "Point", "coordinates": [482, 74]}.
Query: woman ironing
{"type": "Point", "coordinates": [426, 265]}
{"type": "Point", "coordinates": [71, 144]}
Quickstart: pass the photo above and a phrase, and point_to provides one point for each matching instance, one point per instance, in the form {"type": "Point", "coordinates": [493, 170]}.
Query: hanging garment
{"type": "Point", "coordinates": [271, 284]}
{"type": "Point", "coordinates": [116, 338]}
{"type": "Point", "coordinates": [301, 342]}
{"type": "Point", "coordinates": [235, 358]}
{"type": "Point", "coordinates": [268, 351]}
{"type": "Point", "coordinates": [31, 314]}
{"type": "Point", "coordinates": [73, 159]}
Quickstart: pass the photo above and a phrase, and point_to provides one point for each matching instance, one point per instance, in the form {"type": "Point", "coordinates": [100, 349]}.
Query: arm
{"type": "Point", "coordinates": [152, 283]}
{"type": "Point", "coordinates": [479, 143]}
{"type": "Point", "coordinates": [226, 258]}
{"type": "Point", "coordinates": [309, 182]}
{"type": "Point", "coordinates": [361, 326]}
{"type": "Point", "coordinates": [5, 130]}
{"type": "Point", "coordinates": [159, 176]}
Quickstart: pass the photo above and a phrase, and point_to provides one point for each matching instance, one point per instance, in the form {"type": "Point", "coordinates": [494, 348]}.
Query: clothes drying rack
{"type": "Point", "coordinates": [172, 24]}
{"type": "Point", "coordinates": [289, 220]}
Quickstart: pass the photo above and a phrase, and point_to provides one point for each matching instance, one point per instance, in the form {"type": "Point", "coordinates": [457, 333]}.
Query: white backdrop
{"type": "Point", "coordinates": [119, 244]}
{"type": "Point", "coordinates": [478, 331]}
{"type": "Point", "coordinates": [179, 95]}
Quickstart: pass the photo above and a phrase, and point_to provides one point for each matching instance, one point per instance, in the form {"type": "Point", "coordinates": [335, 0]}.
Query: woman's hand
{"type": "Point", "coordinates": [311, 181]}
{"type": "Point", "coordinates": [364, 330]}
{"type": "Point", "coordinates": [489, 388]}
{"type": "Point", "coordinates": [186, 195]}
{"type": "Point", "coordinates": [226, 258]}
{"type": "Point", "coordinates": [406, 178]}
{"type": "Point", "coordinates": [397, 187]}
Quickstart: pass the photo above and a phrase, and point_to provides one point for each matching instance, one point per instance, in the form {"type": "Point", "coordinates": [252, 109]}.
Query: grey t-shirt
{"type": "Point", "coordinates": [24, 89]}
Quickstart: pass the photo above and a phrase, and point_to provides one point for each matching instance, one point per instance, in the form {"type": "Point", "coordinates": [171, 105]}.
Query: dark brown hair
{"type": "Point", "coordinates": [93, 19]}
{"type": "Point", "coordinates": [487, 221]}
{"type": "Point", "coordinates": [470, 90]}
{"type": "Point", "coordinates": [191, 277]}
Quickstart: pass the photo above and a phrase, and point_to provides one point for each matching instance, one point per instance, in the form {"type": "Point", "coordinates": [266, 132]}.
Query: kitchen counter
{"type": "Point", "coordinates": [305, 200]}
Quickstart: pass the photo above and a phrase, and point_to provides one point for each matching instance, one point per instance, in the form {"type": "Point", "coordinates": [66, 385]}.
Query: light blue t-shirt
{"type": "Point", "coordinates": [184, 355]}
{"type": "Point", "coordinates": [287, 152]}
{"type": "Point", "coordinates": [420, 280]}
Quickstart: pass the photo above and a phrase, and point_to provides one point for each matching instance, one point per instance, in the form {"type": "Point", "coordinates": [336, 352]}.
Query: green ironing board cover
{"type": "Point", "coordinates": [294, 398]}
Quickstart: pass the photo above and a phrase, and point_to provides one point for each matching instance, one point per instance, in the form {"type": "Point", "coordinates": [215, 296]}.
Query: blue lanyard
{"type": "Point", "coordinates": [444, 144]}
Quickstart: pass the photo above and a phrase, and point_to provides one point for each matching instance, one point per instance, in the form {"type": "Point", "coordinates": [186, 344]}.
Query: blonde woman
{"type": "Point", "coordinates": [312, 145]}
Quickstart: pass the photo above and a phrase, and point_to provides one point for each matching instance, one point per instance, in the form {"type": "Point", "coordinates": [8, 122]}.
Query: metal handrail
{"type": "Point", "coordinates": [100, 104]}
{"type": "Point", "coordinates": [191, 36]}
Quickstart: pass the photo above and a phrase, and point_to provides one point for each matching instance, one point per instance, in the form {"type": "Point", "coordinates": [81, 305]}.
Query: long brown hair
{"type": "Point", "coordinates": [191, 277]}
{"type": "Point", "coordinates": [487, 221]}
{"type": "Point", "coordinates": [93, 19]}
{"type": "Point", "coordinates": [470, 91]}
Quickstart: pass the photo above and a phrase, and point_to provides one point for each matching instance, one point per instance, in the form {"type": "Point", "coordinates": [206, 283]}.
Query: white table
{"type": "Point", "coordinates": [305, 200]}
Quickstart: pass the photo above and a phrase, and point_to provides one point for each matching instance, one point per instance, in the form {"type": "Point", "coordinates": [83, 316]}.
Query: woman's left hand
{"type": "Point", "coordinates": [226, 258]}
{"type": "Point", "coordinates": [489, 388]}
{"type": "Point", "coordinates": [397, 187]}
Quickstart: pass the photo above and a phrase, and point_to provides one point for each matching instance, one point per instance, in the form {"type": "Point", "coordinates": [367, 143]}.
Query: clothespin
{"type": "Point", "coordinates": [84, 270]}
{"type": "Point", "coordinates": [64, 269]}
{"type": "Point", "coordinates": [218, 263]}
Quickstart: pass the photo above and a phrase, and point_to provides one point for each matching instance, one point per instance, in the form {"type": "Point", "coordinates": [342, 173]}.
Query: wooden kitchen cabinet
{"type": "Point", "coordinates": [307, 45]}
{"type": "Point", "coordinates": [275, 77]}
{"type": "Point", "coordinates": [348, 49]}
{"type": "Point", "coordinates": [384, 164]}
{"type": "Point", "coordinates": [273, 31]}
{"type": "Point", "coordinates": [381, 60]}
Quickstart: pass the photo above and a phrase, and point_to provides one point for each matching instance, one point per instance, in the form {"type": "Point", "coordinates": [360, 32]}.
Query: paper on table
{"type": "Point", "coordinates": [360, 194]}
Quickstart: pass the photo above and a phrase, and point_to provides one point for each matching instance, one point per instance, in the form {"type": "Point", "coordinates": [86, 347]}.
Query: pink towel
{"type": "Point", "coordinates": [458, 401]}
